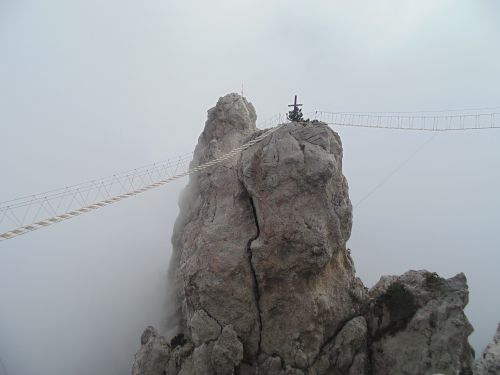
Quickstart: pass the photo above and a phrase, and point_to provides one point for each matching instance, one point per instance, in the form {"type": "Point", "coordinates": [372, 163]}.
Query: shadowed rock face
{"type": "Point", "coordinates": [418, 326]}
{"type": "Point", "coordinates": [263, 282]}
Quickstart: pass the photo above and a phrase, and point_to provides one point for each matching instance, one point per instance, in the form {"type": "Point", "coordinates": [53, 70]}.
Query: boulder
{"type": "Point", "coordinates": [418, 326]}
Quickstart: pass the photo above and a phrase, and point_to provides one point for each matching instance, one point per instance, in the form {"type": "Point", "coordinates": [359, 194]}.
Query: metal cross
{"type": "Point", "coordinates": [295, 105]}
{"type": "Point", "coordinates": [296, 113]}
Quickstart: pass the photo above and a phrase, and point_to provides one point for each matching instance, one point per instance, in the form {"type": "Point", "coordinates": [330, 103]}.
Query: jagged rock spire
{"type": "Point", "coordinates": [262, 279]}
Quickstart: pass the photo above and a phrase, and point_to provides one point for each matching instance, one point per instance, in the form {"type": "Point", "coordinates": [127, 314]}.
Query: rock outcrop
{"type": "Point", "coordinates": [264, 283]}
{"type": "Point", "coordinates": [418, 326]}
{"type": "Point", "coordinates": [489, 362]}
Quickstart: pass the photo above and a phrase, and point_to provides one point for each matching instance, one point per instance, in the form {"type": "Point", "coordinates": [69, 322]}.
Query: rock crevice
{"type": "Point", "coordinates": [252, 269]}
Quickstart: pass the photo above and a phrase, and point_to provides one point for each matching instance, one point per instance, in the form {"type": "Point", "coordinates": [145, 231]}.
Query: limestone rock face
{"type": "Point", "coordinates": [347, 353]}
{"type": "Point", "coordinates": [227, 352]}
{"type": "Point", "coordinates": [263, 281]}
{"type": "Point", "coordinates": [154, 354]}
{"type": "Point", "coordinates": [303, 216]}
{"type": "Point", "coordinates": [417, 325]}
{"type": "Point", "coordinates": [210, 266]}
{"type": "Point", "coordinates": [489, 362]}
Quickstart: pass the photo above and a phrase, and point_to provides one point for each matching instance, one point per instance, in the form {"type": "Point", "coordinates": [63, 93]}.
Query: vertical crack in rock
{"type": "Point", "coordinates": [369, 348]}
{"type": "Point", "coordinates": [252, 269]}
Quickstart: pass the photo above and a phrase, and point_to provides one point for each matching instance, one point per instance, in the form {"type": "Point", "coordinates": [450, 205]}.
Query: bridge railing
{"type": "Point", "coordinates": [422, 121]}
{"type": "Point", "coordinates": [28, 213]}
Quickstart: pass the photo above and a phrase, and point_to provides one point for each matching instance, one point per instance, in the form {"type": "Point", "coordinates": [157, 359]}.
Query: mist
{"type": "Point", "coordinates": [90, 88]}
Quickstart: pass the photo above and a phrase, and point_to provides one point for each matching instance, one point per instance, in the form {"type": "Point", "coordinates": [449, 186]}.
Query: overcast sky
{"type": "Point", "coordinates": [89, 88]}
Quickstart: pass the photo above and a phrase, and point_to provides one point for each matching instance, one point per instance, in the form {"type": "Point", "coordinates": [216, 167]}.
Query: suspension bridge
{"type": "Point", "coordinates": [29, 213]}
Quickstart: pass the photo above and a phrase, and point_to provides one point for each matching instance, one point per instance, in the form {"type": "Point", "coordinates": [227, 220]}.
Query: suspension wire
{"type": "Point", "coordinates": [135, 191]}
{"type": "Point", "coordinates": [395, 170]}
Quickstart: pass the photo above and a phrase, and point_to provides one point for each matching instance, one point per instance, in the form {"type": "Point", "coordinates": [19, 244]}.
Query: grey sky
{"type": "Point", "coordinates": [88, 88]}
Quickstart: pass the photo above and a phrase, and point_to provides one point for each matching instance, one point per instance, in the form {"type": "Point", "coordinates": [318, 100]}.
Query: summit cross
{"type": "Point", "coordinates": [296, 113]}
{"type": "Point", "coordinates": [295, 105]}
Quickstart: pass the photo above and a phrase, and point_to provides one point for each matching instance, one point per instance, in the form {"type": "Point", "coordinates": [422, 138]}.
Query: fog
{"type": "Point", "coordinates": [89, 88]}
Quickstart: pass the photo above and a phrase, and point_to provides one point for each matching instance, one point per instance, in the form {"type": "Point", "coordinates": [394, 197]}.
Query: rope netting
{"type": "Point", "coordinates": [29, 213]}
{"type": "Point", "coordinates": [423, 121]}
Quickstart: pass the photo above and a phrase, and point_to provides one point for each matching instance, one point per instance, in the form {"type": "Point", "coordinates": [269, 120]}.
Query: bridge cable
{"type": "Point", "coordinates": [394, 171]}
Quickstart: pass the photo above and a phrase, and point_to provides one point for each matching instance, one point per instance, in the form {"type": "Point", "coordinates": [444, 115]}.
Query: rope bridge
{"type": "Point", "coordinates": [30, 213]}
{"type": "Point", "coordinates": [437, 121]}
{"type": "Point", "coordinates": [23, 215]}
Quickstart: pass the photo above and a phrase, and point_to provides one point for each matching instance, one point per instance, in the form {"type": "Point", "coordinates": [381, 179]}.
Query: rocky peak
{"type": "Point", "coordinates": [229, 122]}
{"type": "Point", "coordinates": [263, 281]}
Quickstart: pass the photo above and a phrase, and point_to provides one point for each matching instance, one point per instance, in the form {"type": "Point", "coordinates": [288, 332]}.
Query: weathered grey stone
{"type": "Point", "coordinates": [292, 371]}
{"type": "Point", "coordinates": [263, 281]}
{"type": "Point", "coordinates": [227, 352]}
{"type": "Point", "coordinates": [272, 366]}
{"type": "Point", "coordinates": [153, 356]}
{"type": "Point", "coordinates": [180, 361]}
{"type": "Point", "coordinates": [240, 243]}
{"type": "Point", "coordinates": [489, 362]}
{"type": "Point", "coordinates": [203, 328]}
{"type": "Point", "coordinates": [418, 325]}
{"type": "Point", "coordinates": [346, 353]}
{"type": "Point", "coordinates": [299, 195]}
{"type": "Point", "coordinates": [247, 369]}
{"type": "Point", "coordinates": [202, 364]}
{"type": "Point", "coordinates": [210, 265]}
